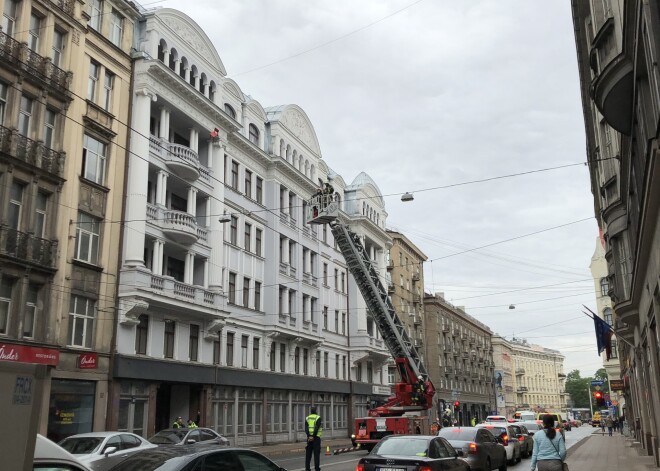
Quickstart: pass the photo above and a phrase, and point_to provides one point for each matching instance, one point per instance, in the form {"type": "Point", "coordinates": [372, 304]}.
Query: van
{"type": "Point", "coordinates": [556, 415]}
{"type": "Point", "coordinates": [524, 416]}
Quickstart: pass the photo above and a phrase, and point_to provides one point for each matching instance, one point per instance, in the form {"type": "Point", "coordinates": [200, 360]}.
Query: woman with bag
{"type": "Point", "coordinates": [549, 448]}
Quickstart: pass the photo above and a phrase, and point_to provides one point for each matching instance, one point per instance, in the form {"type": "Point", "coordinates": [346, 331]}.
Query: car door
{"type": "Point", "coordinates": [486, 442]}
{"type": "Point", "coordinates": [193, 435]}
{"type": "Point", "coordinates": [448, 456]}
{"type": "Point", "coordinates": [207, 437]}
{"type": "Point", "coordinates": [221, 461]}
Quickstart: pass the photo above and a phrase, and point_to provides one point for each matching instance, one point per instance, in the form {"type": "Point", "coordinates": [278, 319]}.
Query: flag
{"type": "Point", "coordinates": [603, 336]}
{"type": "Point", "coordinates": [214, 133]}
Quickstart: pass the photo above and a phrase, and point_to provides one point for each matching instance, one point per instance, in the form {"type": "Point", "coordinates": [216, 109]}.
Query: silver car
{"type": "Point", "coordinates": [507, 437]}
{"type": "Point", "coordinates": [102, 450]}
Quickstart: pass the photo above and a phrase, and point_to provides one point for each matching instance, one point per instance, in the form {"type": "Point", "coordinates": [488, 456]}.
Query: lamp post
{"type": "Point", "coordinates": [591, 406]}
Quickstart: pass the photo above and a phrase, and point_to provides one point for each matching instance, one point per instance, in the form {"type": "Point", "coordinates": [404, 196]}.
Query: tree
{"type": "Point", "coordinates": [578, 388]}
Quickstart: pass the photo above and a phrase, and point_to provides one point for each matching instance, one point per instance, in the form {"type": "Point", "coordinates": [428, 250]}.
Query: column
{"type": "Point", "coordinates": [177, 66]}
{"type": "Point", "coordinates": [166, 57]}
{"type": "Point", "coordinates": [154, 258]}
{"type": "Point", "coordinates": [209, 154]}
{"type": "Point", "coordinates": [192, 200]}
{"type": "Point", "coordinates": [206, 273]}
{"type": "Point", "coordinates": [194, 145]}
{"type": "Point", "coordinates": [164, 128]}
{"type": "Point", "coordinates": [161, 188]}
{"type": "Point", "coordinates": [138, 176]}
{"type": "Point", "coordinates": [216, 228]}
{"type": "Point", "coordinates": [189, 267]}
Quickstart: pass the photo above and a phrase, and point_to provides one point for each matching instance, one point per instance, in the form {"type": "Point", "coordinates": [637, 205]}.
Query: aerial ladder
{"type": "Point", "coordinates": [401, 413]}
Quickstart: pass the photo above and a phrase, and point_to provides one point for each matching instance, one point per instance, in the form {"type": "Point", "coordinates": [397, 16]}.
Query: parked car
{"type": "Point", "coordinates": [179, 458]}
{"type": "Point", "coordinates": [507, 437]}
{"type": "Point", "coordinates": [481, 450]}
{"type": "Point", "coordinates": [413, 453]}
{"type": "Point", "coordinates": [525, 439]}
{"type": "Point", "coordinates": [49, 456]}
{"type": "Point", "coordinates": [101, 450]}
{"type": "Point", "coordinates": [188, 436]}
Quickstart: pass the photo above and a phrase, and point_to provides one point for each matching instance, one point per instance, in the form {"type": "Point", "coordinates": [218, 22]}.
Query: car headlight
{"type": "Point", "coordinates": [353, 436]}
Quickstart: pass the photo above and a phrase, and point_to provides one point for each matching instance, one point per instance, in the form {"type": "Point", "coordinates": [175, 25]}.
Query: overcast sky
{"type": "Point", "coordinates": [444, 92]}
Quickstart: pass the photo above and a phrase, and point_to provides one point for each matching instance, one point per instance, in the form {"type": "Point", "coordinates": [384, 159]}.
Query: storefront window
{"type": "Point", "coordinates": [71, 409]}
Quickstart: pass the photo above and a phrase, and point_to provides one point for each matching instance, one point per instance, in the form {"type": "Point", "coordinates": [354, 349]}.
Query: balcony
{"type": "Point", "coordinates": [449, 370]}
{"type": "Point", "coordinates": [33, 66]}
{"type": "Point", "coordinates": [520, 371]}
{"type": "Point", "coordinates": [417, 298]}
{"type": "Point", "coordinates": [445, 327]}
{"type": "Point", "coordinates": [179, 226]}
{"type": "Point", "coordinates": [415, 277]}
{"type": "Point", "coordinates": [181, 160]}
{"type": "Point", "coordinates": [31, 152]}
{"type": "Point", "coordinates": [417, 320]}
{"type": "Point", "coordinates": [447, 347]}
{"type": "Point", "coordinates": [27, 248]}
{"type": "Point", "coordinates": [612, 92]}
{"type": "Point", "coordinates": [390, 288]}
{"type": "Point", "coordinates": [521, 389]}
{"type": "Point", "coordinates": [390, 265]}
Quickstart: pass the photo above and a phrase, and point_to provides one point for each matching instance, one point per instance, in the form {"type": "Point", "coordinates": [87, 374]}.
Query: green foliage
{"type": "Point", "coordinates": [578, 388]}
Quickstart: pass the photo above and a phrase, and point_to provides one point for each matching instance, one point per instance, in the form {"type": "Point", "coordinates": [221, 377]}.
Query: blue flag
{"type": "Point", "coordinates": [603, 336]}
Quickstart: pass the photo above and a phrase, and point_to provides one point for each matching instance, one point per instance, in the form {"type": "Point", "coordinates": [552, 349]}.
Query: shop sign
{"type": "Point", "coordinates": [616, 385]}
{"type": "Point", "coordinates": [25, 354]}
{"type": "Point", "coordinates": [23, 391]}
{"type": "Point", "coordinates": [87, 361]}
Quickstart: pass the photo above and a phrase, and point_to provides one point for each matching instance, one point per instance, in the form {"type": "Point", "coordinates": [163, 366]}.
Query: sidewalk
{"type": "Point", "coordinates": [605, 453]}
{"type": "Point", "coordinates": [299, 447]}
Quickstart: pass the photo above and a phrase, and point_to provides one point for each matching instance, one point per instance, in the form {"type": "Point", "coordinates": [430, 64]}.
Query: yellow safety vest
{"type": "Point", "coordinates": [311, 423]}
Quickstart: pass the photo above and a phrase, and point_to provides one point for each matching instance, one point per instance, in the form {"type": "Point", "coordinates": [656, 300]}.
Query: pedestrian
{"type": "Point", "coordinates": [473, 421]}
{"type": "Point", "coordinates": [610, 424]}
{"type": "Point", "coordinates": [191, 423]}
{"type": "Point", "coordinates": [314, 430]}
{"type": "Point", "coordinates": [549, 447]}
{"type": "Point", "coordinates": [178, 423]}
{"type": "Point", "coordinates": [602, 425]}
{"type": "Point", "coordinates": [621, 421]}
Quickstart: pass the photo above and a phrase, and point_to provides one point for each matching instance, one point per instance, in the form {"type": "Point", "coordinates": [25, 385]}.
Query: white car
{"type": "Point", "coordinates": [102, 450]}
{"type": "Point", "coordinates": [507, 437]}
{"type": "Point", "coordinates": [496, 418]}
{"type": "Point", "coordinates": [49, 455]}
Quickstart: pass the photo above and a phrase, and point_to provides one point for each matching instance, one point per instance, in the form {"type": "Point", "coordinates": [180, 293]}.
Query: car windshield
{"type": "Point", "coordinates": [402, 447]}
{"type": "Point", "coordinates": [81, 445]}
{"type": "Point", "coordinates": [453, 433]}
{"type": "Point", "coordinates": [497, 431]}
{"type": "Point", "coordinates": [168, 437]}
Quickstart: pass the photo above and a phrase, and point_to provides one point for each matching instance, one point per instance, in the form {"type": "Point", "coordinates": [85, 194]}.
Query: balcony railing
{"type": "Point", "coordinates": [520, 371]}
{"type": "Point", "coordinates": [167, 285]}
{"type": "Point", "coordinates": [34, 65]}
{"type": "Point", "coordinates": [27, 247]}
{"type": "Point", "coordinates": [31, 152]}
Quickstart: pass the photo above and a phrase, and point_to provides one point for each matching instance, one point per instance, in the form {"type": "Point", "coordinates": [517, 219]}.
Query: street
{"type": "Point", "coordinates": [348, 461]}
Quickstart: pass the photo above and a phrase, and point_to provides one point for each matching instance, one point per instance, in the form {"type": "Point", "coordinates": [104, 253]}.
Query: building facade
{"type": "Point", "coordinates": [618, 44]}
{"type": "Point", "coordinates": [462, 367]}
{"type": "Point", "coordinates": [505, 377]}
{"type": "Point", "coordinates": [604, 310]}
{"type": "Point", "coordinates": [64, 96]}
{"type": "Point", "coordinates": [405, 285]}
{"type": "Point", "coordinates": [230, 305]}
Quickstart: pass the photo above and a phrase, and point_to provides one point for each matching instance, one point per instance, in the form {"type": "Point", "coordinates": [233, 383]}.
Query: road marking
{"type": "Point", "coordinates": [328, 465]}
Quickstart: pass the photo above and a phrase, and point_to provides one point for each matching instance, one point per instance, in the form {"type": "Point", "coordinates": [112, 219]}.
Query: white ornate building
{"type": "Point", "coordinates": [229, 303]}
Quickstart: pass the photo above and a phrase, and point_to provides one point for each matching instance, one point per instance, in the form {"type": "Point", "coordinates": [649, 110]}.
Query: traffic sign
{"type": "Point", "coordinates": [597, 382]}
{"type": "Point", "coordinates": [608, 403]}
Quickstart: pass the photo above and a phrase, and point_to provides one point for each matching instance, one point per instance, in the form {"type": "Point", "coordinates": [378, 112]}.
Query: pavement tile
{"type": "Point", "coordinates": [605, 453]}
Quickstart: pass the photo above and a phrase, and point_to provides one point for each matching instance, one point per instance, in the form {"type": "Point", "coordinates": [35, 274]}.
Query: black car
{"type": "Point", "coordinates": [190, 458]}
{"type": "Point", "coordinates": [188, 436]}
{"type": "Point", "coordinates": [481, 450]}
{"type": "Point", "coordinates": [413, 453]}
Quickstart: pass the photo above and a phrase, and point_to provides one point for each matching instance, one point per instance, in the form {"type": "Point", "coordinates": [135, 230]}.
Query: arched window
{"type": "Point", "coordinates": [174, 56]}
{"type": "Point", "coordinates": [364, 208]}
{"type": "Point", "coordinates": [162, 47]}
{"type": "Point", "coordinates": [183, 67]}
{"type": "Point", "coordinates": [212, 88]}
{"type": "Point", "coordinates": [288, 153]}
{"type": "Point", "coordinates": [193, 75]}
{"type": "Point", "coordinates": [607, 315]}
{"type": "Point", "coordinates": [282, 149]}
{"type": "Point", "coordinates": [202, 83]}
{"type": "Point", "coordinates": [254, 134]}
{"type": "Point", "coordinates": [604, 286]}
{"type": "Point", "coordinates": [230, 111]}
{"type": "Point", "coordinates": [294, 156]}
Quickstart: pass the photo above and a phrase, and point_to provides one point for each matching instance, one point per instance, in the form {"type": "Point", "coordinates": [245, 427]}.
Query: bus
{"type": "Point", "coordinates": [524, 416]}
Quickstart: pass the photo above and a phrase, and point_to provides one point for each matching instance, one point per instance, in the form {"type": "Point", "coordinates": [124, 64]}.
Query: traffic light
{"type": "Point", "coordinates": [598, 396]}
{"type": "Point", "coordinates": [457, 406]}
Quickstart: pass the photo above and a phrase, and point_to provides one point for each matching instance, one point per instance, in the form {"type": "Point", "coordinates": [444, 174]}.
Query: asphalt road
{"type": "Point", "coordinates": [348, 461]}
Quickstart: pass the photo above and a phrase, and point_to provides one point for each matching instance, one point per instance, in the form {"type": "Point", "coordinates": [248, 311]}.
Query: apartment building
{"type": "Point", "coordinates": [617, 45]}
{"type": "Point", "coordinates": [462, 369]}
{"type": "Point", "coordinates": [538, 377]}
{"type": "Point", "coordinates": [406, 286]}
{"type": "Point", "coordinates": [505, 393]}
{"type": "Point", "coordinates": [64, 92]}
{"type": "Point", "coordinates": [604, 310]}
{"type": "Point", "coordinates": [229, 303]}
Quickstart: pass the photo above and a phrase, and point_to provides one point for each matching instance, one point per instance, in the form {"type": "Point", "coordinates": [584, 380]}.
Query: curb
{"type": "Point", "coordinates": [577, 445]}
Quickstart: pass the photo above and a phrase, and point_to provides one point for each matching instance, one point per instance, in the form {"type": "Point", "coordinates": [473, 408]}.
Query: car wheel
{"type": "Point", "coordinates": [488, 464]}
{"type": "Point", "coordinates": [503, 467]}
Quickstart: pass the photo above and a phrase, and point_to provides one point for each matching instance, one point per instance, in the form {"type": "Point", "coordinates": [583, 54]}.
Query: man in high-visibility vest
{"type": "Point", "coordinates": [314, 430]}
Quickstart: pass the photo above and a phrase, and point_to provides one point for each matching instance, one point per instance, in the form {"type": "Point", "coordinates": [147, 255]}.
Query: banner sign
{"type": "Point", "coordinates": [87, 361]}
{"type": "Point", "coordinates": [616, 385]}
{"type": "Point", "coordinates": [597, 382]}
{"type": "Point", "coordinates": [25, 354]}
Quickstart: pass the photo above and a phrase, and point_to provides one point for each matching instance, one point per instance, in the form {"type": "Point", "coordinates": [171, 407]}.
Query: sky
{"type": "Point", "coordinates": [423, 94]}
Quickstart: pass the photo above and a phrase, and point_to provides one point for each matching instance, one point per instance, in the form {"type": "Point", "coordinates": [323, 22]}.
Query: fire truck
{"type": "Point", "coordinates": [403, 412]}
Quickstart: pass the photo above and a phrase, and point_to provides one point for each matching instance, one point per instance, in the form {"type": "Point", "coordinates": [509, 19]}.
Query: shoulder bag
{"type": "Point", "coordinates": [563, 463]}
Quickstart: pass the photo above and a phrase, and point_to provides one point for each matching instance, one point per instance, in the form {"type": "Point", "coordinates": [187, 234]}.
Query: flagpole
{"type": "Point", "coordinates": [608, 326]}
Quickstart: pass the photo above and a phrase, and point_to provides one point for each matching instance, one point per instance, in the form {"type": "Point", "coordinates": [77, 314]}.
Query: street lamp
{"type": "Point", "coordinates": [224, 218]}
{"type": "Point", "coordinates": [407, 197]}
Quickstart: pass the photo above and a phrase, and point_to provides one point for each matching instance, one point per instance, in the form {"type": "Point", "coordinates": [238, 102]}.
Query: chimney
{"type": "Point", "coordinates": [440, 294]}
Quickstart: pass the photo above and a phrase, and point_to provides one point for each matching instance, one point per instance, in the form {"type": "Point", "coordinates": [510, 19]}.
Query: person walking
{"type": "Point", "coordinates": [473, 421]}
{"type": "Point", "coordinates": [549, 447]}
{"type": "Point", "coordinates": [609, 424]}
{"type": "Point", "coordinates": [314, 430]}
{"type": "Point", "coordinates": [178, 423]}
